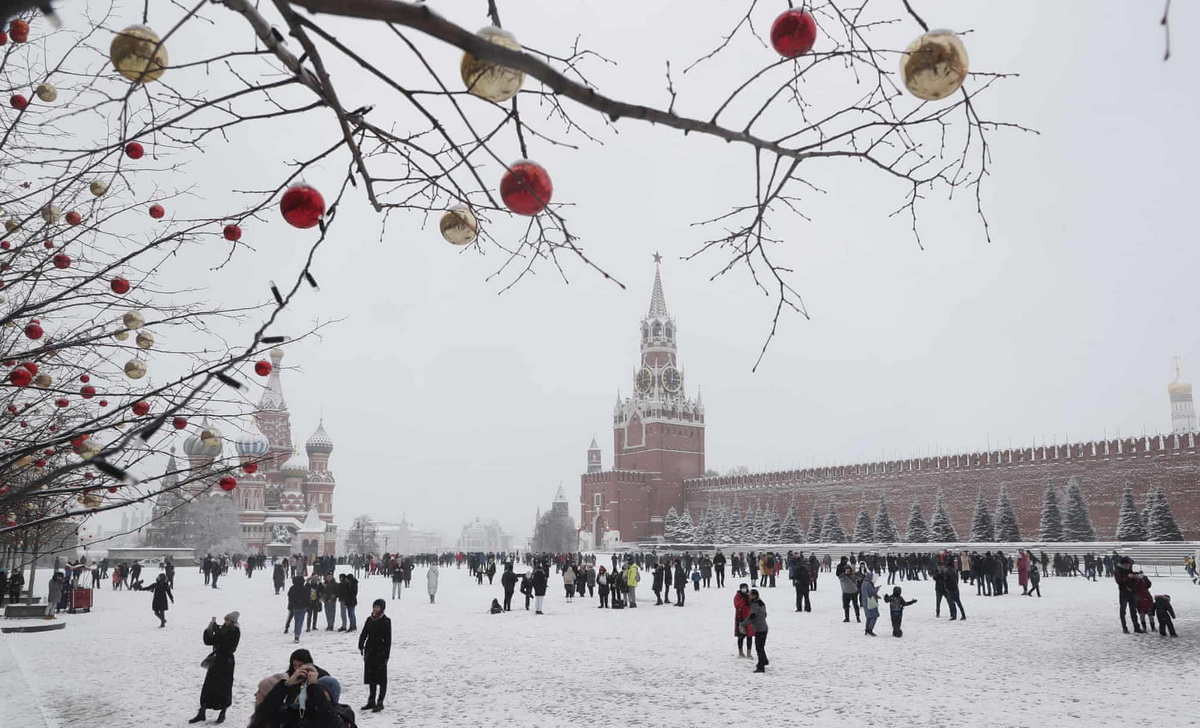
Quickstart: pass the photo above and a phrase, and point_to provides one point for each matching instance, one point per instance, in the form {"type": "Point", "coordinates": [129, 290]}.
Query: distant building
{"type": "Point", "coordinates": [554, 531]}
{"type": "Point", "coordinates": [1183, 411]}
{"type": "Point", "coordinates": [479, 536]}
{"type": "Point", "coordinates": [397, 538]}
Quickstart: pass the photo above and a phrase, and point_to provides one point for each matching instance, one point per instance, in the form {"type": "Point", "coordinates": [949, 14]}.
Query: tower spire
{"type": "Point", "coordinates": [658, 302]}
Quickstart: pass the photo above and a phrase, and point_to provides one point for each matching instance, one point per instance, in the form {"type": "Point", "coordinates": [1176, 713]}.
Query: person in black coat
{"type": "Point", "coordinates": [162, 592]}
{"type": "Point", "coordinates": [680, 580]}
{"type": "Point", "coordinates": [278, 577]}
{"type": "Point", "coordinates": [375, 644]}
{"type": "Point", "coordinates": [348, 596]}
{"type": "Point", "coordinates": [217, 692]}
{"type": "Point", "coordinates": [657, 584]}
{"type": "Point", "coordinates": [508, 580]}
{"type": "Point", "coordinates": [539, 588]}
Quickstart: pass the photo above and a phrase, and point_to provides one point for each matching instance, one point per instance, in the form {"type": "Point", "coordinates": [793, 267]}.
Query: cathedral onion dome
{"type": "Point", "coordinates": [1178, 387]}
{"type": "Point", "coordinates": [252, 445]}
{"type": "Point", "coordinates": [320, 443]}
{"type": "Point", "coordinates": [295, 470]}
{"type": "Point", "coordinates": [205, 445]}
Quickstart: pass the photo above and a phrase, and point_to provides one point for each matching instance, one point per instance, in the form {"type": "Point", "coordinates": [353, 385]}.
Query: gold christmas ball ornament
{"type": "Point", "coordinates": [488, 79]}
{"type": "Point", "coordinates": [11, 225]}
{"type": "Point", "coordinates": [89, 450]}
{"type": "Point", "coordinates": [23, 461]}
{"type": "Point", "coordinates": [135, 368]}
{"type": "Point", "coordinates": [43, 380]}
{"type": "Point", "coordinates": [934, 65]}
{"type": "Point", "coordinates": [121, 335]}
{"type": "Point", "coordinates": [134, 320]}
{"type": "Point", "coordinates": [459, 225]}
{"type": "Point", "coordinates": [51, 214]}
{"type": "Point", "coordinates": [144, 339]}
{"type": "Point", "coordinates": [90, 500]}
{"type": "Point", "coordinates": [138, 54]}
{"type": "Point", "coordinates": [46, 92]}
{"type": "Point", "coordinates": [98, 188]}
{"type": "Point", "coordinates": [210, 437]}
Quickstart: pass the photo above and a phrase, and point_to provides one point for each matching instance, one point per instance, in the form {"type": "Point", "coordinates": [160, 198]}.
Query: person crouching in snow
{"type": "Point", "coordinates": [1165, 613]}
{"type": "Point", "coordinates": [496, 608]}
{"type": "Point", "coordinates": [898, 604]}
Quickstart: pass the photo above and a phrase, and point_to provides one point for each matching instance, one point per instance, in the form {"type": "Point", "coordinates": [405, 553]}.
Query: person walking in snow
{"type": "Point", "coordinates": [508, 580]}
{"type": "Point", "coordinates": [656, 584]}
{"type": "Point", "coordinates": [1035, 580]}
{"type": "Point", "coordinates": [632, 577]}
{"type": "Point", "coordinates": [756, 622]}
{"type": "Point", "coordinates": [540, 582]}
{"type": "Point", "coordinates": [162, 592]}
{"type": "Point", "coordinates": [1165, 613]}
{"type": "Point", "coordinates": [297, 606]}
{"type": "Point", "coordinates": [569, 581]}
{"type": "Point", "coordinates": [869, 596]}
{"type": "Point", "coordinates": [680, 579]}
{"type": "Point", "coordinates": [375, 645]}
{"type": "Point", "coordinates": [431, 581]}
{"type": "Point", "coordinates": [217, 691]}
{"type": "Point", "coordinates": [953, 598]}
{"type": "Point", "coordinates": [601, 587]}
{"type": "Point", "coordinates": [741, 611]}
{"type": "Point", "coordinates": [802, 582]}
{"type": "Point", "coordinates": [1123, 575]}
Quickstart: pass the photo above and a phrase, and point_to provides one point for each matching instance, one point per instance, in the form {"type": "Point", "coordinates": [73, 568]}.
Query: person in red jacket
{"type": "Point", "coordinates": [1143, 599]}
{"type": "Point", "coordinates": [741, 611]}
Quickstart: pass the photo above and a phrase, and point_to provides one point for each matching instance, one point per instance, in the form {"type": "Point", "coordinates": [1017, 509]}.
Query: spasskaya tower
{"type": "Point", "coordinates": [658, 439]}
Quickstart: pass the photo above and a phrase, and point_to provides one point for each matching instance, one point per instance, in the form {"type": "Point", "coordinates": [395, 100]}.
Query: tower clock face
{"type": "Point", "coordinates": [644, 380]}
{"type": "Point", "coordinates": [671, 379]}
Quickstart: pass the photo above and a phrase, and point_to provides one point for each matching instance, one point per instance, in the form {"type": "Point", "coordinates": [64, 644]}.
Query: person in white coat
{"type": "Point", "coordinates": [431, 579]}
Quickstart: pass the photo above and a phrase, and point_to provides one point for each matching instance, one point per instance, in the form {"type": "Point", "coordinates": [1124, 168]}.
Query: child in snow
{"type": "Point", "coordinates": [496, 608]}
{"type": "Point", "coordinates": [1165, 613]}
{"type": "Point", "coordinates": [898, 605]}
{"type": "Point", "coordinates": [696, 579]}
{"type": "Point", "coordinates": [1143, 599]}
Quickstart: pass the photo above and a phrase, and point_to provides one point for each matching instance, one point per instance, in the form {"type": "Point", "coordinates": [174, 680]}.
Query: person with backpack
{"type": "Point", "coordinates": [375, 645]}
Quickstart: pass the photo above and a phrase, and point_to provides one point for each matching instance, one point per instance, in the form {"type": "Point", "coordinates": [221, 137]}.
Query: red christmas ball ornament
{"type": "Point", "coordinates": [227, 482]}
{"type": "Point", "coordinates": [157, 211]}
{"type": "Point", "coordinates": [5, 245]}
{"type": "Point", "coordinates": [39, 463]}
{"type": "Point", "coordinates": [85, 378]}
{"type": "Point", "coordinates": [48, 451]}
{"type": "Point", "coordinates": [141, 408]}
{"type": "Point", "coordinates": [526, 188]}
{"type": "Point", "coordinates": [24, 423]}
{"type": "Point", "coordinates": [104, 403]}
{"type": "Point", "coordinates": [89, 476]}
{"type": "Point", "coordinates": [73, 218]}
{"type": "Point", "coordinates": [34, 331]}
{"type": "Point", "coordinates": [112, 489]}
{"type": "Point", "coordinates": [12, 409]}
{"type": "Point", "coordinates": [179, 423]}
{"type": "Point", "coordinates": [19, 30]}
{"type": "Point", "coordinates": [262, 368]}
{"type": "Point", "coordinates": [54, 428]}
{"type": "Point", "coordinates": [3, 38]}
{"type": "Point", "coordinates": [233, 233]}
{"type": "Point", "coordinates": [793, 33]}
{"type": "Point", "coordinates": [62, 402]}
{"type": "Point", "coordinates": [47, 244]}
{"type": "Point", "coordinates": [119, 286]}
{"type": "Point", "coordinates": [87, 391]}
{"type": "Point", "coordinates": [62, 260]}
{"type": "Point", "coordinates": [30, 366]}
{"type": "Point", "coordinates": [134, 150]}
{"type": "Point", "coordinates": [20, 377]}
{"type": "Point", "coordinates": [302, 206]}
{"type": "Point", "coordinates": [250, 467]}
{"type": "Point", "coordinates": [18, 102]}
{"type": "Point", "coordinates": [78, 440]}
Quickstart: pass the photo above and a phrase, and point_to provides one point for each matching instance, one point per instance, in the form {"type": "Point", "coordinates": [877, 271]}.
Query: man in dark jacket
{"type": "Point", "coordinates": [375, 645]}
{"type": "Point", "coordinates": [348, 594]}
{"type": "Point", "coordinates": [657, 584]}
{"type": "Point", "coordinates": [297, 605]}
{"type": "Point", "coordinates": [278, 576]}
{"type": "Point", "coordinates": [508, 580]}
{"type": "Point", "coordinates": [680, 579]}
{"type": "Point", "coordinates": [718, 563]}
{"type": "Point", "coordinates": [801, 581]}
{"type": "Point", "coordinates": [1126, 593]}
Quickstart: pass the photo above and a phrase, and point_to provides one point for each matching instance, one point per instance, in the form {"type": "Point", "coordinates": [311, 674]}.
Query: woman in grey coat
{"type": "Point", "coordinates": [757, 622]}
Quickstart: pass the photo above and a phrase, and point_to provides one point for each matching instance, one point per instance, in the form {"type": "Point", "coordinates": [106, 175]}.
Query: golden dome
{"type": "Point", "coordinates": [1178, 387]}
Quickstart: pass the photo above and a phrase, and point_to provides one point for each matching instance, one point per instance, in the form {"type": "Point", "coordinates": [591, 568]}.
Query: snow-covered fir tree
{"type": "Point", "coordinates": [1162, 525]}
{"type": "Point", "coordinates": [789, 530]}
{"type": "Point", "coordinates": [814, 525]}
{"type": "Point", "coordinates": [864, 531]}
{"type": "Point", "coordinates": [1077, 523]}
{"type": "Point", "coordinates": [941, 529]}
{"type": "Point", "coordinates": [734, 525]}
{"type": "Point", "coordinates": [885, 530]}
{"type": "Point", "coordinates": [1147, 506]}
{"type": "Point", "coordinates": [687, 528]}
{"type": "Point", "coordinates": [831, 529]}
{"type": "Point", "coordinates": [918, 531]}
{"type": "Point", "coordinates": [1050, 528]}
{"type": "Point", "coordinates": [671, 526]}
{"type": "Point", "coordinates": [722, 532]}
{"type": "Point", "coordinates": [754, 523]}
{"type": "Point", "coordinates": [982, 528]}
{"type": "Point", "coordinates": [705, 529]}
{"type": "Point", "coordinates": [1130, 526]}
{"type": "Point", "coordinates": [1007, 528]}
{"type": "Point", "coordinates": [774, 529]}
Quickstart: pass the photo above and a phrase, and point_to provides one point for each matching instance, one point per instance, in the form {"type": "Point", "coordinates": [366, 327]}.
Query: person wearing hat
{"type": "Point", "coordinates": [217, 691]}
{"type": "Point", "coordinates": [1127, 593]}
{"type": "Point", "coordinates": [375, 644]}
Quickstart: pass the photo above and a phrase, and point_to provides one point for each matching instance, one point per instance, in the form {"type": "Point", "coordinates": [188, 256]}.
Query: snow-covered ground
{"type": "Point", "coordinates": [1061, 660]}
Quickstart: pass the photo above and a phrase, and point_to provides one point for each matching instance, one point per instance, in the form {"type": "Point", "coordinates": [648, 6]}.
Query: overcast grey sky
{"type": "Point", "coordinates": [446, 400]}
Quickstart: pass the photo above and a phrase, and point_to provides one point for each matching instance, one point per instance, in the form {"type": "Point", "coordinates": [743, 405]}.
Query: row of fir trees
{"type": "Point", "coordinates": [730, 524]}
